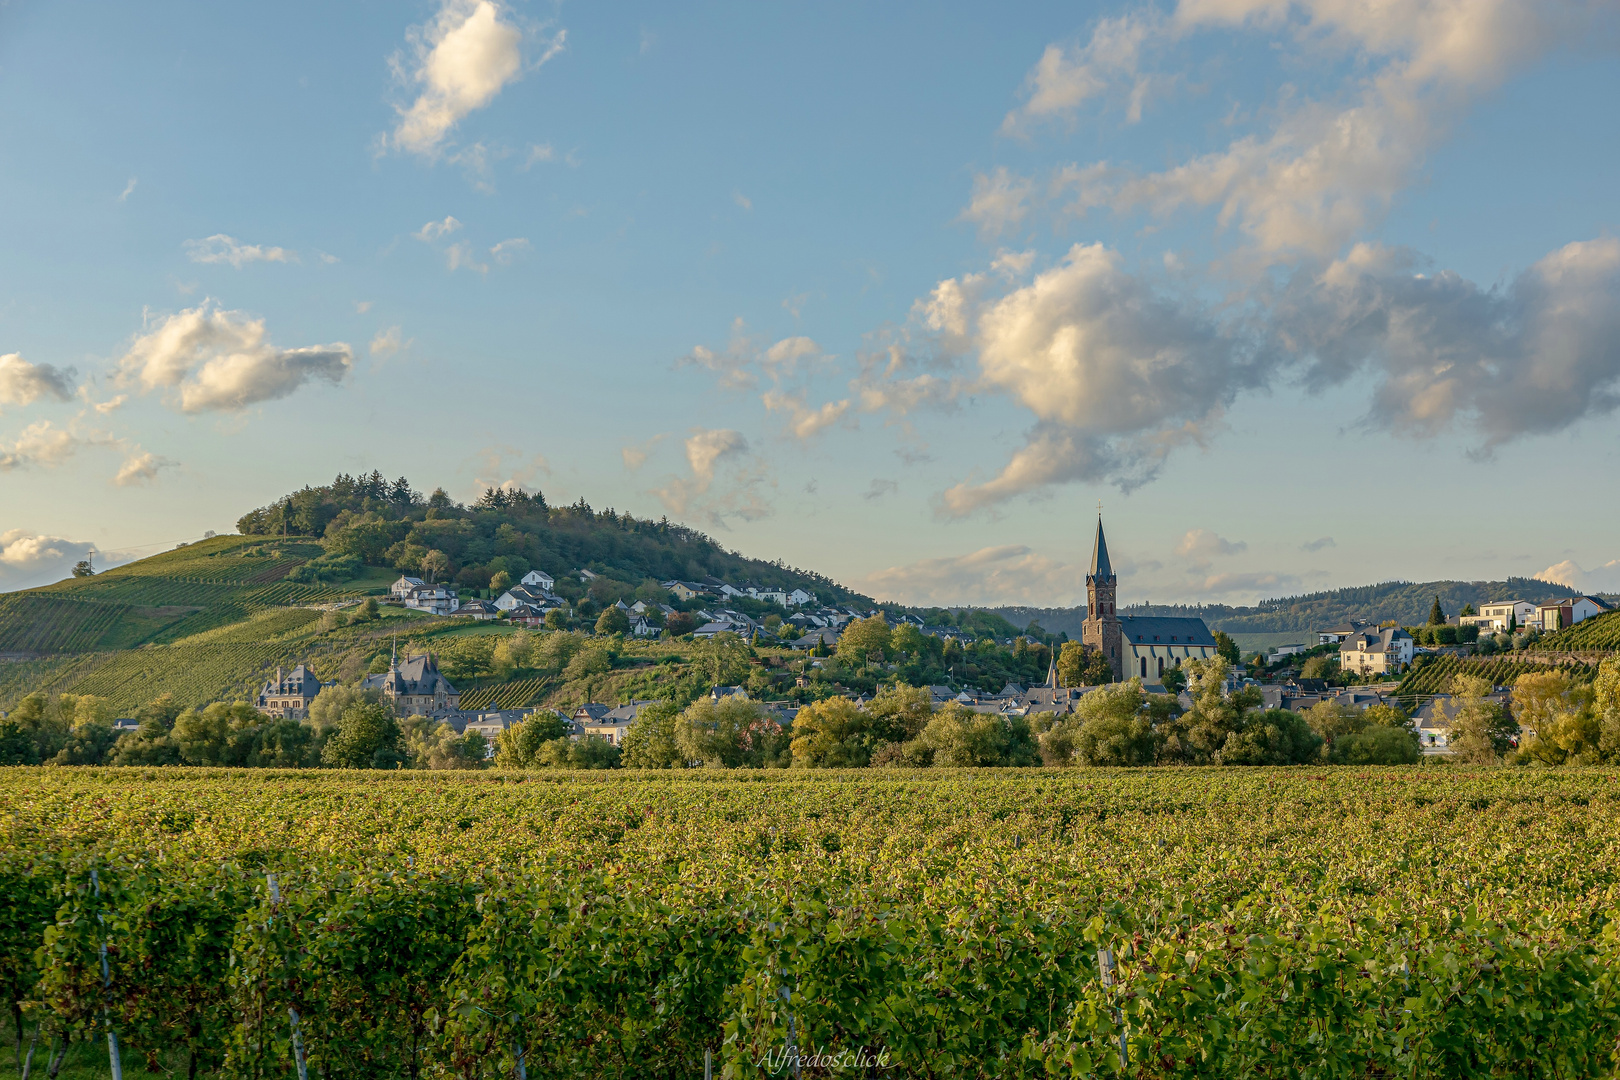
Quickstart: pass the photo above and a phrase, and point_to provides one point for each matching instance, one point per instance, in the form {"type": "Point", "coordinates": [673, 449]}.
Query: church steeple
{"type": "Point", "coordinates": [1101, 569]}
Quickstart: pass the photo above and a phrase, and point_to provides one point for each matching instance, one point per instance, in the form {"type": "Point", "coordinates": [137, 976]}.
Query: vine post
{"type": "Point", "coordinates": [1105, 965]}
{"type": "Point", "coordinates": [106, 987]}
{"type": "Point", "coordinates": [292, 1012]}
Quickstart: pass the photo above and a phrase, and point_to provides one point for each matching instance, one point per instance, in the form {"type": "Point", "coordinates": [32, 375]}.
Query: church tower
{"type": "Point", "coordinates": [1101, 629]}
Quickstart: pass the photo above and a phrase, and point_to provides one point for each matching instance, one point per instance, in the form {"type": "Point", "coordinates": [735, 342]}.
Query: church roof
{"type": "Point", "coordinates": [1165, 630]}
{"type": "Point", "coordinates": [1100, 567]}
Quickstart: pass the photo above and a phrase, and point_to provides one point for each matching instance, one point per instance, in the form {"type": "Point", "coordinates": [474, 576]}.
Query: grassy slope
{"type": "Point", "coordinates": [1601, 632]}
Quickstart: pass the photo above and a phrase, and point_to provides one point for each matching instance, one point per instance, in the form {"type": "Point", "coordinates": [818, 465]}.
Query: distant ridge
{"type": "Point", "coordinates": [1404, 601]}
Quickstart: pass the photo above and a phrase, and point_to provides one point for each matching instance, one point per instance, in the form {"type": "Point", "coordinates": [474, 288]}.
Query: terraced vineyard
{"type": "Point", "coordinates": [200, 587]}
{"type": "Point", "coordinates": [1599, 632]}
{"type": "Point", "coordinates": [1434, 676]}
{"type": "Point", "coordinates": [1158, 923]}
{"type": "Point", "coordinates": [508, 695]}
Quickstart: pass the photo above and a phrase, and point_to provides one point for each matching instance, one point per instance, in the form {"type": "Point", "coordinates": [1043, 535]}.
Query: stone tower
{"type": "Point", "coordinates": [1101, 628]}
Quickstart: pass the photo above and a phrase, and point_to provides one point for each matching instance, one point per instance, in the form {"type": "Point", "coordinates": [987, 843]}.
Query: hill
{"type": "Point", "coordinates": [209, 620]}
{"type": "Point", "coordinates": [1404, 601]}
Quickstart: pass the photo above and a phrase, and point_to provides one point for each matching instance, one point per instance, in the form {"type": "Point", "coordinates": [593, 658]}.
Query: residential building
{"type": "Point", "coordinates": [718, 692]}
{"type": "Point", "coordinates": [1502, 614]}
{"type": "Point", "coordinates": [522, 595]}
{"type": "Point", "coordinates": [402, 588]}
{"type": "Point", "coordinates": [827, 636]}
{"type": "Point", "coordinates": [433, 599]}
{"type": "Point", "coordinates": [1336, 635]}
{"type": "Point", "coordinates": [613, 724]}
{"type": "Point", "coordinates": [1289, 650]}
{"type": "Point", "coordinates": [1136, 646]}
{"type": "Point", "coordinates": [683, 590]}
{"type": "Point", "coordinates": [1376, 652]}
{"type": "Point", "coordinates": [799, 598]}
{"type": "Point", "coordinates": [415, 686]}
{"type": "Point", "coordinates": [538, 579]}
{"type": "Point", "coordinates": [289, 695]}
{"type": "Point", "coordinates": [1558, 614]}
{"type": "Point", "coordinates": [482, 610]}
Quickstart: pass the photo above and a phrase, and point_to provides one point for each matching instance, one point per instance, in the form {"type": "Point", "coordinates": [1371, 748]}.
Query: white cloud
{"type": "Point", "coordinates": [805, 421]}
{"type": "Point", "coordinates": [44, 444]}
{"type": "Point", "coordinates": [141, 467]}
{"type": "Point", "coordinates": [1200, 545]}
{"type": "Point", "coordinates": [436, 230]}
{"type": "Point", "coordinates": [1065, 78]}
{"type": "Point", "coordinates": [1604, 578]}
{"type": "Point", "coordinates": [23, 383]}
{"type": "Point", "coordinates": [1252, 584]}
{"type": "Point", "coordinates": [362, 306]}
{"type": "Point", "coordinates": [129, 189]}
{"type": "Point", "coordinates": [387, 342]}
{"type": "Point", "coordinates": [1000, 202]}
{"type": "Point", "coordinates": [1532, 358]}
{"type": "Point", "coordinates": [461, 59]}
{"type": "Point", "coordinates": [742, 200]}
{"type": "Point", "coordinates": [509, 468]}
{"type": "Point", "coordinates": [32, 559]}
{"type": "Point", "coordinates": [1007, 574]}
{"type": "Point", "coordinates": [507, 251]}
{"type": "Point", "coordinates": [221, 360]}
{"type": "Point", "coordinates": [220, 248]}
{"type": "Point", "coordinates": [1318, 544]}
{"type": "Point", "coordinates": [708, 450]}
{"type": "Point", "coordinates": [1327, 168]}
{"type": "Point", "coordinates": [541, 152]}
{"type": "Point", "coordinates": [636, 454]}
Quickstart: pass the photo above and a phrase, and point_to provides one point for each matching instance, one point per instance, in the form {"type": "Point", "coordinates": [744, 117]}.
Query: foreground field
{"type": "Point", "coordinates": [1262, 922]}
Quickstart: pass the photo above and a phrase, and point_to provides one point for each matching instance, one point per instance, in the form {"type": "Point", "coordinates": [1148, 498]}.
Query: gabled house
{"type": "Point", "coordinates": [482, 610]}
{"type": "Point", "coordinates": [1502, 614]}
{"type": "Point", "coordinates": [538, 579]}
{"type": "Point", "coordinates": [400, 589]}
{"type": "Point", "coordinates": [799, 598]}
{"type": "Point", "coordinates": [683, 590]}
{"type": "Point", "coordinates": [289, 695]}
{"type": "Point", "coordinates": [415, 686]}
{"type": "Point", "coordinates": [614, 724]}
{"type": "Point", "coordinates": [1336, 635]}
{"type": "Point", "coordinates": [1558, 614]}
{"type": "Point", "coordinates": [520, 595]}
{"type": "Point", "coordinates": [433, 599]}
{"type": "Point", "coordinates": [1376, 652]}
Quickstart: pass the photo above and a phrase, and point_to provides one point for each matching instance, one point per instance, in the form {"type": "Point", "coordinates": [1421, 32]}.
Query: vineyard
{"type": "Point", "coordinates": [204, 586]}
{"type": "Point", "coordinates": [1165, 923]}
{"type": "Point", "coordinates": [508, 695]}
{"type": "Point", "coordinates": [1434, 676]}
{"type": "Point", "coordinates": [1599, 632]}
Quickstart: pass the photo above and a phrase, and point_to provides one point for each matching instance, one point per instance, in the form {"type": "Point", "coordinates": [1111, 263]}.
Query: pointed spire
{"type": "Point", "coordinates": [1051, 672]}
{"type": "Point", "coordinates": [1100, 567]}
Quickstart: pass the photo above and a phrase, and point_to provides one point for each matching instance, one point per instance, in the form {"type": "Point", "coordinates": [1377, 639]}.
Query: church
{"type": "Point", "coordinates": [1137, 646]}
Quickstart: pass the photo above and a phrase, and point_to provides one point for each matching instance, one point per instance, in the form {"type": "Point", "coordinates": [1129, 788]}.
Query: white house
{"type": "Point", "coordinates": [1557, 614]}
{"type": "Point", "coordinates": [769, 595]}
{"type": "Point", "coordinates": [538, 579]}
{"type": "Point", "coordinates": [1289, 650]}
{"type": "Point", "coordinates": [799, 598]}
{"type": "Point", "coordinates": [402, 588]}
{"type": "Point", "coordinates": [521, 596]}
{"type": "Point", "coordinates": [433, 599]}
{"type": "Point", "coordinates": [1376, 652]}
{"type": "Point", "coordinates": [1500, 614]}
{"type": "Point", "coordinates": [1337, 634]}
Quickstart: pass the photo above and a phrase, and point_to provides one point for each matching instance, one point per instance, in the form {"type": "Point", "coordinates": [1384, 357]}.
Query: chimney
{"type": "Point", "coordinates": [279, 680]}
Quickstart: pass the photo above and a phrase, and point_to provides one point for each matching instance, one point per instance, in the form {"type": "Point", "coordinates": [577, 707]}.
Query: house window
{"type": "Point", "coordinates": [1144, 667]}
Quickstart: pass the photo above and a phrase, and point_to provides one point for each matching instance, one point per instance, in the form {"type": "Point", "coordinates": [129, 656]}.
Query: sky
{"type": "Point", "coordinates": [1301, 293]}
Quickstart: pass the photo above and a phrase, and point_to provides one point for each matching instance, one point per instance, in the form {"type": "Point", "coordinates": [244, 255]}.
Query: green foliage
{"type": "Point", "coordinates": [1599, 632]}
{"type": "Point", "coordinates": [332, 567]}
{"type": "Point", "coordinates": [613, 621]}
{"type": "Point", "coordinates": [1082, 665]}
{"type": "Point", "coordinates": [518, 746]}
{"type": "Point", "coordinates": [1434, 674]}
{"type": "Point", "coordinates": [368, 737]}
{"type": "Point", "coordinates": [650, 742]}
{"type": "Point", "coordinates": [728, 733]}
{"type": "Point", "coordinates": [1399, 922]}
{"type": "Point", "coordinates": [865, 641]}
{"type": "Point", "coordinates": [1227, 649]}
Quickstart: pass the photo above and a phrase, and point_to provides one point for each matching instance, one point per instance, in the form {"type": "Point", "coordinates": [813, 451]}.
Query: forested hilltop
{"type": "Point", "coordinates": [377, 523]}
{"type": "Point", "coordinates": [1405, 602]}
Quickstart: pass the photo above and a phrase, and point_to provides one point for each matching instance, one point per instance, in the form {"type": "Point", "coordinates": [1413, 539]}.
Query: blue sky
{"type": "Point", "coordinates": [1306, 293]}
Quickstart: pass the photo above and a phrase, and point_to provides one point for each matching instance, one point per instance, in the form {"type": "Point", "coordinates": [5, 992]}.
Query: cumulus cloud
{"type": "Point", "coordinates": [1115, 373]}
{"type": "Point", "coordinates": [1532, 358]}
{"type": "Point", "coordinates": [45, 445]}
{"type": "Point", "coordinates": [508, 468]}
{"type": "Point", "coordinates": [436, 230]}
{"type": "Point", "coordinates": [1600, 579]}
{"type": "Point", "coordinates": [461, 60]}
{"type": "Point", "coordinates": [463, 255]}
{"type": "Point", "coordinates": [1007, 574]}
{"type": "Point", "coordinates": [29, 559]}
{"type": "Point", "coordinates": [23, 383]}
{"type": "Point", "coordinates": [220, 248]}
{"type": "Point", "coordinates": [1250, 584]}
{"type": "Point", "coordinates": [212, 359]}
{"type": "Point", "coordinates": [1318, 544]}
{"type": "Point", "coordinates": [141, 467]}
{"type": "Point", "coordinates": [635, 455]}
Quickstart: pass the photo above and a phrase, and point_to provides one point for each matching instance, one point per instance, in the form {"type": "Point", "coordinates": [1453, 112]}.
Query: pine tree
{"type": "Point", "coordinates": [1437, 614]}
